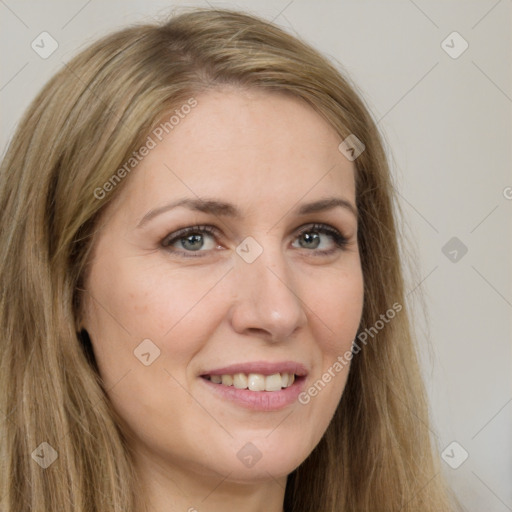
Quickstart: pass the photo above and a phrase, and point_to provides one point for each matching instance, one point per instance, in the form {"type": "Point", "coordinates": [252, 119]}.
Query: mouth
{"type": "Point", "coordinates": [259, 386]}
{"type": "Point", "coordinates": [254, 381]}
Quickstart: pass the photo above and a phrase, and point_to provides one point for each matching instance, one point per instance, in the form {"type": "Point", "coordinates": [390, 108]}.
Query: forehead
{"type": "Point", "coordinates": [248, 146]}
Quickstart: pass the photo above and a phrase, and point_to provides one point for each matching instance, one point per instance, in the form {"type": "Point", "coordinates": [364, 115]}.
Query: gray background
{"type": "Point", "coordinates": [447, 122]}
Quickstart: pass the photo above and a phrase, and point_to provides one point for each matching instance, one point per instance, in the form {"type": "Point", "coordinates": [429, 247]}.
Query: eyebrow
{"type": "Point", "coordinates": [221, 208]}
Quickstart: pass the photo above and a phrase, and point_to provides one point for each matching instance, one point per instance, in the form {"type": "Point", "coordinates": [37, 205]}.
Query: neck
{"type": "Point", "coordinates": [168, 488]}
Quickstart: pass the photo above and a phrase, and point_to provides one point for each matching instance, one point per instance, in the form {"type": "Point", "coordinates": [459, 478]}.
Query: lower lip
{"type": "Point", "coordinates": [258, 400]}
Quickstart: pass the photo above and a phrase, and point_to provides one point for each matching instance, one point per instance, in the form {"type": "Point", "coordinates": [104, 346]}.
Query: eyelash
{"type": "Point", "coordinates": [339, 240]}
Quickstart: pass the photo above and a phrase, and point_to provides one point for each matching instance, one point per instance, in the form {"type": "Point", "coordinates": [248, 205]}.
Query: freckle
{"type": "Point", "coordinates": [141, 308]}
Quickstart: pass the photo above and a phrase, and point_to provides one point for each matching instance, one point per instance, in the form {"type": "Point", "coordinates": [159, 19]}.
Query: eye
{"type": "Point", "coordinates": [190, 240]}
{"type": "Point", "coordinates": [310, 238]}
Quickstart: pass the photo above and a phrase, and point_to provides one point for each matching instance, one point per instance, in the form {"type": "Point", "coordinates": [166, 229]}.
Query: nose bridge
{"type": "Point", "coordinates": [266, 296]}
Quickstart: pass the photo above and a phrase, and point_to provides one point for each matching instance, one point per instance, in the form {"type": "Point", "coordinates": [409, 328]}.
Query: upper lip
{"type": "Point", "coordinates": [262, 367]}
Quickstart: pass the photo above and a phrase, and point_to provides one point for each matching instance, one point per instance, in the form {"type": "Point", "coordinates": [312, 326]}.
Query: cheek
{"type": "Point", "coordinates": [131, 301]}
{"type": "Point", "coordinates": [176, 311]}
{"type": "Point", "coordinates": [336, 314]}
{"type": "Point", "coordinates": [149, 298]}
{"type": "Point", "coordinates": [337, 308]}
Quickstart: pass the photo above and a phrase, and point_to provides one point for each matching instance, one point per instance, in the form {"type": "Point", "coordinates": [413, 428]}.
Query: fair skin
{"type": "Point", "coordinates": [267, 154]}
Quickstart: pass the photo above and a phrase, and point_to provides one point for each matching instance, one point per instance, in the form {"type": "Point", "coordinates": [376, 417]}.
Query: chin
{"type": "Point", "coordinates": [262, 457]}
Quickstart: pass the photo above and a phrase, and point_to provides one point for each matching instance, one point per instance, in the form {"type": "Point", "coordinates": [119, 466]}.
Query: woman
{"type": "Point", "coordinates": [202, 301]}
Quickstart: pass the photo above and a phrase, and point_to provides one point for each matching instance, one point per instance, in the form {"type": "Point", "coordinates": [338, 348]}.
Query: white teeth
{"type": "Point", "coordinates": [275, 382]}
{"type": "Point", "coordinates": [255, 381]}
{"type": "Point", "coordinates": [227, 380]}
{"type": "Point", "coordinates": [240, 380]}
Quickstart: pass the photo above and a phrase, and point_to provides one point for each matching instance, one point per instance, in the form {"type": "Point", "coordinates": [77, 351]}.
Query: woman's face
{"type": "Point", "coordinates": [268, 290]}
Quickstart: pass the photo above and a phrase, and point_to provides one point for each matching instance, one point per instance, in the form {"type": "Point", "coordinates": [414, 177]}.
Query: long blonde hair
{"type": "Point", "coordinates": [376, 455]}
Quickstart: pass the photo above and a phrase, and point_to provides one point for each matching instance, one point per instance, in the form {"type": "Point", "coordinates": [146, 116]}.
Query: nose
{"type": "Point", "coordinates": [266, 302]}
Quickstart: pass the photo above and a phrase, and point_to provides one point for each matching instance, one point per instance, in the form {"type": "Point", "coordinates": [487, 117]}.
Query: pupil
{"type": "Point", "coordinates": [308, 238]}
{"type": "Point", "coordinates": [192, 239]}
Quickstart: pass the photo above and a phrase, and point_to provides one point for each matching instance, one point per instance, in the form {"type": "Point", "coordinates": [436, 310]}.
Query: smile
{"type": "Point", "coordinates": [254, 381]}
{"type": "Point", "coordinates": [258, 385]}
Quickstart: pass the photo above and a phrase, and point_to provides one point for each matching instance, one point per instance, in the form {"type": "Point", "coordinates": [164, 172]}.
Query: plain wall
{"type": "Point", "coordinates": [448, 125]}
